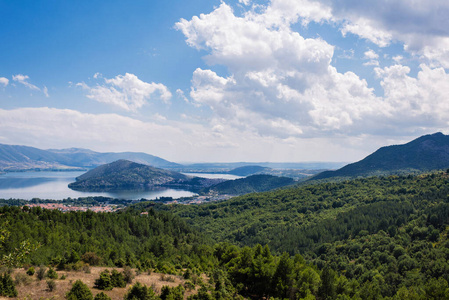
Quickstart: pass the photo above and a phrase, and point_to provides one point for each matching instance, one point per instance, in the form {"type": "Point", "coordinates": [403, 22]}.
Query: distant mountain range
{"type": "Point", "coordinates": [18, 158]}
{"type": "Point", "coordinates": [24, 158]}
{"type": "Point", "coordinates": [228, 167]}
{"type": "Point", "coordinates": [426, 153]}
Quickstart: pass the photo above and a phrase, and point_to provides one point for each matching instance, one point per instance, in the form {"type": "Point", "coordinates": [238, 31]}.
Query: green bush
{"type": "Point", "coordinates": [140, 292]}
{"type": "Point", "coordinates": [175, 293]}
{"type": "Point", "coordinates": [79, 291]}
{"type": "Point", "coordinates": [7, 287]}
{"type": "Point", "coordinates": [187, 274]}
{"type": "Point", "coordinates": [31, 271]}
{"type": "Point", "coordinates": [102, 296]}
{"type": "Point", "coordinates": [51, 273]}
{"type": "Point", "coordinates": [104, 282]}
{"type": "Point", "coordinates": [117, 279]}
{"type": "Point", "coordinates": [188, 285]}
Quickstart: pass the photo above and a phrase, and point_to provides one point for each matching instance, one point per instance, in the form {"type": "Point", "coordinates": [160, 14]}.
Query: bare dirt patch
{"type": "Point", "coordinates": [38, 289]}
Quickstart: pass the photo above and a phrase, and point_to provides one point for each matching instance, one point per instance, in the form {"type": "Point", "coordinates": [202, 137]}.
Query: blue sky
{"type": "Point", "coordinates": [280, 80]}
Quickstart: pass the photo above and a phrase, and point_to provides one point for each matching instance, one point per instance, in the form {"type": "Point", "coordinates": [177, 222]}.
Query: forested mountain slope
{"type": "Point", "coordinates": [426, 153]}
{"type": "Point", "coordinates": [123, 238]}
{"type": "Point", "coordinates": [300, 219]}
{"type": "Point", "coordinates": [370, 238]}
{"type": "Point", "coordinates": [250, 184]}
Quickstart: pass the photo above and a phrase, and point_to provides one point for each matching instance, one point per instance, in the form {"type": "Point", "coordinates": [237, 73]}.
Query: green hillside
{"type": "Point", "coordinates": [124, 238]}
{"type": "Point", "coordinates": [250, 184]}
{"type": "Point", "coordinates": [387, 237]}
{"type": "Point", "coordinates": [125, 174]}
{"type": "Point", "coordinates": [426, 153]}
{"type": "Point", "coordinates": [369, 238]}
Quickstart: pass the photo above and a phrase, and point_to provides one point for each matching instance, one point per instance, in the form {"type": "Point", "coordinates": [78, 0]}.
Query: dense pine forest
{"type": "Point", "coordinates": [371, 238]}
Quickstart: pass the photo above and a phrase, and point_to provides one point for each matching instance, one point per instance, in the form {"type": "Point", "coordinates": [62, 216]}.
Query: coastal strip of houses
{"type": "Point", "coordinates": [67, 208]}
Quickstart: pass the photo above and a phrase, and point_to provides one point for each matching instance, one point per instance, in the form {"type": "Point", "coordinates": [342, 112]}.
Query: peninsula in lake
{"type": "Point", "coordinates": [125, 174]}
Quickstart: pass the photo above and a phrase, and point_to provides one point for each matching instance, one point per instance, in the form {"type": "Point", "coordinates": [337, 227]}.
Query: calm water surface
{"type": "Point", "coordinates": [214, 175]}
{"type": "Point", "coordinates": [54, 185]}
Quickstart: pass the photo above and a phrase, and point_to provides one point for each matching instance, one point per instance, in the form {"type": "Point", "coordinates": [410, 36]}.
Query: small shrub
{"type": "Point", "coordinates": [79, 291]}
{"type": "Point", "coordinates": [91, 258]}
{"type": "Point", "coordinates": [187, 274]}
{"type": "Point", "coordinates": [188, 285]}
{"type": "Point", "coordinates": [140, 292]}
{"type": "Point", "coordinates": [102, 296]}
{"type": "Point", "coordinates": [5, 269]}
{"type": "Point", "coordinates": [78, 265]}
{"type": "Point", "coordinates": [8, 288]}
{"type": "Point", "coordinates": [104, 282]}
{"type": "Point", "coordinates": [22, 279]}
{"type": "Point", "coordinates": [41, 272]}
{"type": "Point", "coordinates": [195, 278]}
{"type": "Point", "coordinates": [51, 273]}
{"type": "Point", "coordinates": [51, 285]}
{"type": "Point", "coordinates": [128, 274]}
{"type": "Point", "coordinates": [175, 293]}
{"type": "Point", "coordinates": [167, 278]}
{"type": "Point", "coordinates": [31, 271]}
{"type": "Point", "coordinates": [117, 279]}
{"type": "Point", "coordinates": [86, 269]}
{"type": "Point", "coordinates": [63, 277]}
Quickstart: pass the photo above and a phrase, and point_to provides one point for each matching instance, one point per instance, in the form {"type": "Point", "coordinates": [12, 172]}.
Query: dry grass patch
{"type": "Point", "coordinates": [33, 288]}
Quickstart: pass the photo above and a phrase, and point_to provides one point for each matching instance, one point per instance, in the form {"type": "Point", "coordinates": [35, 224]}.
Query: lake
{"type": "Point", "coordinates": [54, 185]}
{"type": "Point", "coordinates": [214, 175]}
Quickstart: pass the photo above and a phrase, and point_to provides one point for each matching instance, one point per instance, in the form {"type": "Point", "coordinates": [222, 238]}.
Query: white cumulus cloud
{"type": "Point", "coordinates": [126, 91]}
{"type": "Point", "coordinates": [418, 102]}
{"type": "Point", "coordinates": [4, 81]}
{"type": "Point", "coordinates": [373, 57]}
{"type": "Point", "coordinates": [283, 85]}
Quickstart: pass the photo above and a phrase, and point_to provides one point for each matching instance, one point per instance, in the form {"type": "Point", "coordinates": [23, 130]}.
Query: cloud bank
{"type": "Point", "coordinates": [50, 128]}
{"type": "Point", "coordinates": [283, 85]}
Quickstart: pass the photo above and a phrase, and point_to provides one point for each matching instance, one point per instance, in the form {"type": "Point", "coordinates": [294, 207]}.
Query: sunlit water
{"type": "Point", "coordinates": [54, 185]}
{"type": "Point", "coordinates": [214, 175]}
